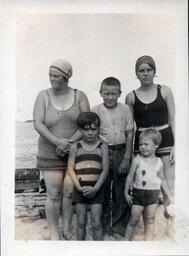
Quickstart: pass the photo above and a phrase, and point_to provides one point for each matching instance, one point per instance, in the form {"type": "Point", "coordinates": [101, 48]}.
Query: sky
{"type": "Point", "coordinates": [97, 46]}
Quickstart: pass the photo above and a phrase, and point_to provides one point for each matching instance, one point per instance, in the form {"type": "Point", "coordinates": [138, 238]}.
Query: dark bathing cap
{"type": "Point", "coordinates": [147, 60]}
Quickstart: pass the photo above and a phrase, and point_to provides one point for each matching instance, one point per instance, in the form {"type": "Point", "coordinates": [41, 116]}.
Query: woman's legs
{"type": "Point", "coordinates": [81, 211]}
{"type": "Point", "coordinates": [96, 220]}
{"type": "Point", "coordinates": [169, 172]}
{"type": "Point", "coordinates": [136, 212]}
{"type": "Point", "coordinates": [149, 219]}
{"type": "Point", "coordinates": [67, 207]}
{"type": "Point", "coordinates": [53, 181]}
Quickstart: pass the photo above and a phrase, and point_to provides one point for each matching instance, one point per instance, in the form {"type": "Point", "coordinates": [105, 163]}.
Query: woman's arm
{"type": "Point", "coordinates": [129, 100]}
{"type": "Point", "coordinates": [39, 121]}
{"type": "Point", "coordinates": [71, 167]}
{"type": "Point", "coordinates": [169, 99]}
{"type": "Point", "coordinates": [84, 107]}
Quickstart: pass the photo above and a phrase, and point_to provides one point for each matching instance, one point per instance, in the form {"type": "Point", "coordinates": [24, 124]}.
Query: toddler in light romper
{"type": "Point", "coordinates": [146, 177]}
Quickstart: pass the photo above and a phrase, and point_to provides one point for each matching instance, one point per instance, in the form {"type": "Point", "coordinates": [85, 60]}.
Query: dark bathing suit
{"type": "Point", "coordinates": [153, 114]}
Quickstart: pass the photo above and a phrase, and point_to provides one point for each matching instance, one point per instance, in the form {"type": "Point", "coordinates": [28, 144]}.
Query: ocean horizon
{"type": "Point", "coordinates": [25, 145]}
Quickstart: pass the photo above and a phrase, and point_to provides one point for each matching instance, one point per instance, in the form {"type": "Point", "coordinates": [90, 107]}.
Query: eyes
{"type": "Point", "coordinates": [106, 94]}
{"type": "Point", "coordinates": [91, 127]}
{"type": "Point", "coordinates": [145, 70]}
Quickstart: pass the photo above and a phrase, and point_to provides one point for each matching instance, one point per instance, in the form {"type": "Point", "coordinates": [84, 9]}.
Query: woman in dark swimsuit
{"type": "Point", "coordinates": [55, 118]}
{"type": "Point", "coordinates": [153, 105]}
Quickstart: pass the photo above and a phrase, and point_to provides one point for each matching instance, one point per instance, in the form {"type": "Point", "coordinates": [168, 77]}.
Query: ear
{"type": "Point", "coordinates": [120, 93]}
{"type": "Point", "coordinates": [100, 92]}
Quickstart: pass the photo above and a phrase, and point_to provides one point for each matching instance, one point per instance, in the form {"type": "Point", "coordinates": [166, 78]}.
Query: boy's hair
{"type": "Point", "coordinates": [87, 119]}
{"type": "Point", "coordinates": [110, 81]}
{"type": "Point", "coordinates": [152, 134]}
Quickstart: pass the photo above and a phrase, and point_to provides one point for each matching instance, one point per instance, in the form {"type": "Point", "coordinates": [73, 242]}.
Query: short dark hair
{"type": "Point", "coordinates": [88, 118]}
{"type": "Point", "coordinates": [152, 134]}
{"type": "Point", "coordinates": [111, 81]}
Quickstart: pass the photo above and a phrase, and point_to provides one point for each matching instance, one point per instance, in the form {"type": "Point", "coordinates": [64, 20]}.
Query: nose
{"type": "Point", "coordinates": [110, 96]}
{"type": "Point", "coordinates": [145, 72]}
{"type": "Point", "coordinates": [89, 131]}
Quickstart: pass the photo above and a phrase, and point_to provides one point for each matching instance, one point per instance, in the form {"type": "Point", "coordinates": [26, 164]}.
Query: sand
{"type": "Point", "coordinates": [35, 228]}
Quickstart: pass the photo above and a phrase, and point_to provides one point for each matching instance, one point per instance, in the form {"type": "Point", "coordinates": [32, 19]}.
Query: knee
{"type": "Point", "coordinates": [150, 220]}
{"type": "Point", "coordinates": [67, 188]}
{"type": "Point", "coordinates": [81, 224]}
{"type": "Point", "coordinates": [133, 222]}
{"type": "Point", "coordinates": [54, 196]}
{"type": "Point", "coordinates": [96, 223]}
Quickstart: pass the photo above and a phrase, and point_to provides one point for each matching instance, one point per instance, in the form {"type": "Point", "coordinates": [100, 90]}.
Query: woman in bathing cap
{"type": "Point", "coordinates": [55, 119]}
{"type": "Point", "coordinates": [153, 105]}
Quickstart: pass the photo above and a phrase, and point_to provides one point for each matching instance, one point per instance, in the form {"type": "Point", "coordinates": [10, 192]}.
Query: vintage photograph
{"type": "Point", "coordinates": [97, 132]}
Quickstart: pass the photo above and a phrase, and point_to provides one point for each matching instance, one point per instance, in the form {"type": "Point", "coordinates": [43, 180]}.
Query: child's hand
{"type": "Point", "coordinates": [124, 167]}
{"type": "Point", "coordinates": [89, 191]}
{"type": "Point", "coordinates": [128, 199]}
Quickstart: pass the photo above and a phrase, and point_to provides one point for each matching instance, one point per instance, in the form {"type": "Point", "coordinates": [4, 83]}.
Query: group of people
{"type": "Point", "coordinates": [115, 158]}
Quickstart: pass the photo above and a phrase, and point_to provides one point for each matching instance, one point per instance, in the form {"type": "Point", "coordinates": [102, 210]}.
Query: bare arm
{"type": "Point", "coordinates": [171, 113]}
{"type": "Point", "coordinates": [129, 100]}
{"type": "Point", "coordinates": [71, 167]}
{"type": "Point", "coordinates": [84, 107]}
{"type": "Point", "coordinates": [105, 167]}
{"type": "Point", "coordinates": [129, 180]}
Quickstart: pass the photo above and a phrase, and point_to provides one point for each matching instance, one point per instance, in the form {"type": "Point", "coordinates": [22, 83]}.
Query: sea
{"type": "Point", "coordinates": [26, 145]}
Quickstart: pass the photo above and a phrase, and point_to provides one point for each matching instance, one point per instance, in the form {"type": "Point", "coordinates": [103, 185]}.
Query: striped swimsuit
{"type": "Point", "coordinates": [88, 166]}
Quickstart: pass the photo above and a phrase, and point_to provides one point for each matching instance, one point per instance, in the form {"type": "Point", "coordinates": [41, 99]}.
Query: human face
{"type": "Point", "coordinates": [110, 95]}
{"type": "Point", "coordinates": [147, 147]}
{"type": "Point", "coordinates": [90, 133]}
{"type": "Point", "coordinates": [57, 80]}
{"type": "Point", "coordinates": [145, 74]}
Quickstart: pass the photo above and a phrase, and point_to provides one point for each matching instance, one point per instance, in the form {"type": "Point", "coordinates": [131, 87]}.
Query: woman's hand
{"type": "Point", "coordinates": [64, 145]}
{"type": "Point", "coordinates": [128, 199]}
{"type": "Point", "coordinates": [172, 156]}
{"type": "Point", "coordinates": [89, 191]}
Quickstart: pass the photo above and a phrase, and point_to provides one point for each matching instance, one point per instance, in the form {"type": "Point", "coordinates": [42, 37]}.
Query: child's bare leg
{"type": "Point", "coordinates": [149, 219]}
{"type": "Point", "coordinates": [53, 181]}
{"type": "Point", "coordinates": [67, 207]}
{"type": "Point", "coordinates": [81, 211]}
{"type": "Point", "coordinates": [136, 212]}
{"type": "Point", "coordinates": [96, 216]}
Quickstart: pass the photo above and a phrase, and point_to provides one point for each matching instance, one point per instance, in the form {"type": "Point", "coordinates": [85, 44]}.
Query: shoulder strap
{"type": "Point", "coordinates": [46, 99]}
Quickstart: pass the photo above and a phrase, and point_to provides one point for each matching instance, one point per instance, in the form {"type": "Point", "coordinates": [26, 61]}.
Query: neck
{"type": "Point", "coordinates": [62, 90]}
{"type": "Point", "coordinates": [147, 87]}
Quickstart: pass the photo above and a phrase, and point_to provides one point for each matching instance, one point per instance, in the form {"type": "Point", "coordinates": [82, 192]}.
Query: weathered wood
{"type": "Point", "coordinates": [26, 186]}
{"type": "Point", "coordinates": [30, 205]}
{"type": "Point", "coordinates": [27, 174]}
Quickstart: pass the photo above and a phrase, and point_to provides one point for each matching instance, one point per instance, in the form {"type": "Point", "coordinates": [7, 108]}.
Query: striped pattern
{"type": "Point", "coordinates": [88, 165]}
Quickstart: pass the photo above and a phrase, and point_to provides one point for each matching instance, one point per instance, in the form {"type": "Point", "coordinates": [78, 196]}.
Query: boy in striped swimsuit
{"type": "Point", "coordinates": [88, 168]}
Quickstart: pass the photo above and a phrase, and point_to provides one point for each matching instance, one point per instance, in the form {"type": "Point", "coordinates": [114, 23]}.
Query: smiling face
{"type": "Point", "coordinates": [145, 74]}
{"type": "Point", "coordinates": [90, 133]}
{"type": "Point", "coordinates": [58, 81]}
{"type": "Point", "coordinates": [147, 147]}
{"type": "Point", "coordinates": [110, 95]}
